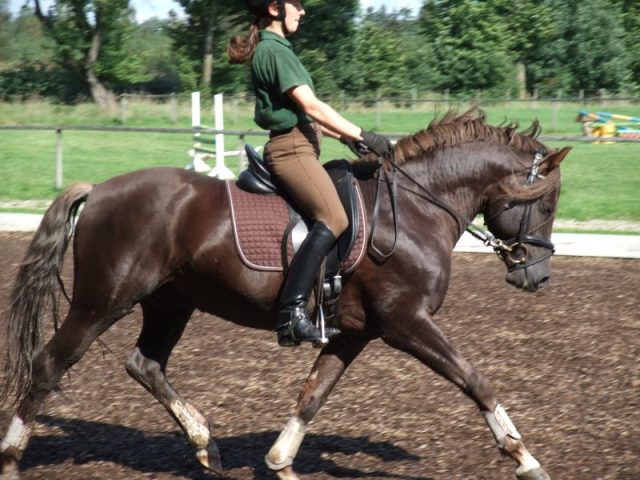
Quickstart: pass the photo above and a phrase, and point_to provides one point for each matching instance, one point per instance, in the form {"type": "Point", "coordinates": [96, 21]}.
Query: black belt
{"type": "Point", "coordinates": [277, 133]}
{"type": "Point", "coordinates": [300, 126]}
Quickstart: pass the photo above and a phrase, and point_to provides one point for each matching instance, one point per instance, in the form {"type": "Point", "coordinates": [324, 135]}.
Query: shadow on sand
{"type": "Point", "coordinates": [170, 453]}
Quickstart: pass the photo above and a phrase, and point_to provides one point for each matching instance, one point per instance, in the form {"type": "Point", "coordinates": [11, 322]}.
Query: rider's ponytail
{"type": "Point", "coordinates": [240, 50]}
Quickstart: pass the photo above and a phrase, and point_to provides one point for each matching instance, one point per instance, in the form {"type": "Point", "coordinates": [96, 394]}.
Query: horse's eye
{"type": "Point", "coordinates": [546, 209]}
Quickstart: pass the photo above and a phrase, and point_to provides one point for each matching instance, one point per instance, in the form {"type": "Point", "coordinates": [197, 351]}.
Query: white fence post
{"type": "Point", "coordinates": [197, 158]}
{"type": "Point", "coordinates": [174, 108]}
{"type": "Point", "coordinates": [378, 111]}
{"type": "Point", "coordinates": [243, 155]}
{"type": "Point", "coordinates": [220, 170]}
{"type": "Point", "coordinates": [59, 160]}
{"type": "Point", "coordinates": [195, 109]}
{"type": "Point", "coordinates": [123, 108]}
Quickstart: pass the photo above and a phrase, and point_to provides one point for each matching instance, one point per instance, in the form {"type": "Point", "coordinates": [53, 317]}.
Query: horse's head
{"type": "Point", "coordinates": [493, 170]}
{"type": "Point", "coordinates": [520, 214]}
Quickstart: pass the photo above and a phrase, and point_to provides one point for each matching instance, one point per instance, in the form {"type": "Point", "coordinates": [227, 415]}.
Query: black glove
{"type": "Point", "coordinates": [356, 146]}
{"type": "Point", "coordinates": [378, 144]}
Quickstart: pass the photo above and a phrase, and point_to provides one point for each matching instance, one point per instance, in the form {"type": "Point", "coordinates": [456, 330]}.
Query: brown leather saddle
{"type": "Point", "coordinates": [268, 228]}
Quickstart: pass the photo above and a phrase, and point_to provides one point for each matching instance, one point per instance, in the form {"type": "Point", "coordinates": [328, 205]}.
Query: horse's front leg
{"type": "Point", "coordinates": [327, 370]}
{"type": "Point", "coordinates": [421, 337]}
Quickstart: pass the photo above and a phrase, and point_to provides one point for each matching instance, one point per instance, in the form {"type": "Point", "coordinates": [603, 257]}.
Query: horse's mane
{"type": "Point", "coordinates": [453, 129]}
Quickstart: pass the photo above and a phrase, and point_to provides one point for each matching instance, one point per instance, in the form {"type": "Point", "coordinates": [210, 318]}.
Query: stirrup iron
{"type": "Point", "coordinates": [323, 340]}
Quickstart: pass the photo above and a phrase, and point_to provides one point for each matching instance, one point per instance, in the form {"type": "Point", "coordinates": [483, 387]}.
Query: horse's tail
{"type": "Point", "coordinates": [35, 289]}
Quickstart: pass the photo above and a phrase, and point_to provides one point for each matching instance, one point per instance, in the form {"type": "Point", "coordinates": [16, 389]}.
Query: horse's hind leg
{"type": "Point", "coordinates": [423, 339]}
{"type": "Point", "coordinates": [165, 317]}
{"type": "Point", "coordinates": [327, 370]}
{"type": "Point", "coordinates": [66, 347]}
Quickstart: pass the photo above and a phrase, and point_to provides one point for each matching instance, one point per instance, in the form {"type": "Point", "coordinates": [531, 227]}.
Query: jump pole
{"type": "Point", "coordinates": [199, 158]}
{"type": "Point", "coordinates": [220, 170]}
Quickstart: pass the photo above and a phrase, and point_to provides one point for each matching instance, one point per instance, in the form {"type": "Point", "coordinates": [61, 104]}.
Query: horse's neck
{"type": "Point", "coordinates": [460, 176]}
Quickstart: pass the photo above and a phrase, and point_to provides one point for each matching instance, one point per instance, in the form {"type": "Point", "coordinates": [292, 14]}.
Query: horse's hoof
{"type": "Point", "coordinates": [533, 474]}
{"type": "Point", "coordinates": [210, 458]}
{"type": "Point", "coordinates": [287, 473]}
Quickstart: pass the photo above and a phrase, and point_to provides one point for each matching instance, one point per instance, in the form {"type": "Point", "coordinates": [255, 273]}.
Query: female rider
{"type": "Point", "coordinates": [287, 106]}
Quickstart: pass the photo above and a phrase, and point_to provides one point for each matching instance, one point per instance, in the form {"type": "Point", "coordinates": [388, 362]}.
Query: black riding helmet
{"type": "Point", "coordinates": [260, 8]}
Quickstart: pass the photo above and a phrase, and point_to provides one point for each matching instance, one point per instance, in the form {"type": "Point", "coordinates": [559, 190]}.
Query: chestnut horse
{"type": "Point", "coordinates": [163, 238]}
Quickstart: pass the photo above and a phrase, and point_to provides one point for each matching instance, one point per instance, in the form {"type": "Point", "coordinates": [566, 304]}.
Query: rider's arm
{"type": "Point", "coordinates": [329, 132]}
{"type": "Point", "coordinates": [334, 124]}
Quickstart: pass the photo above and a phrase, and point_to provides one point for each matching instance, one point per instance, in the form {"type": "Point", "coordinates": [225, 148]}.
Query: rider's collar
{"type": "Point", "coordinates": [267, 35]}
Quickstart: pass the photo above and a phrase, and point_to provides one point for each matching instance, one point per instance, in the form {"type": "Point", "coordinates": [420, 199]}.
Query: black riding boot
{"type": "Point", "coordinates": [294, 324]}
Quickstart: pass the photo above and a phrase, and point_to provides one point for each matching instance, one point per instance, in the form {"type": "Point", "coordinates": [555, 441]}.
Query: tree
{"type": "Point", "coordinates": [631, 22]}
{"type": "Point", "coordinates": [470, 44]}
{"type": "Point", "coordinates": [5, 35]}
{"type": "Point", "coordinates": [83, 31]}
{"type": "Point", "coordinates": [530, 25]}
{"type": "Point", "coordinates": [148, 63]}
{"type": "Point", "coordinates": [328, 26]}
{"type": "Point", "coordinates": [592, 44]}
{"type": "Point", "coordinates": [326, 43]}
{"type": "Point", "coordinates": [202, 36]}
{"type": "Point", "coordinates": [28, 41]}
{"type": "Point", "coordinates": [418, 69]}
{"type": "Point", "coordinates": [323, 42]}
{"type": "Point", "coordinates": [379, 61]}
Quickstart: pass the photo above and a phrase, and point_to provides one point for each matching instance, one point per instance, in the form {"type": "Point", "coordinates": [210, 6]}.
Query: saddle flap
{"type": "Point", "coordinates": [257, 179]}
{"type": "Point", "coordinates": [341, 173]}
{"type": "Point", "coordinates": [260, 222]}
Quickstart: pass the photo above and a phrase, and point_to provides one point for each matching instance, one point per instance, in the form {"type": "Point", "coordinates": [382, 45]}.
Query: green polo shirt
{"type": "Point", "coordinates": [274, 70]}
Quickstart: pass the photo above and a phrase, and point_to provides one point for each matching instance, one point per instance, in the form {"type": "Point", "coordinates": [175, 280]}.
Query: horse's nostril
{"type": "Point", "coordinates": [544, 282]}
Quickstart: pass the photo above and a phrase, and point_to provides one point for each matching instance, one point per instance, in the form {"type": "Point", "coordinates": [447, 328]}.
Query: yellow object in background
{"type": "Point", "coordinates": [607, 129]}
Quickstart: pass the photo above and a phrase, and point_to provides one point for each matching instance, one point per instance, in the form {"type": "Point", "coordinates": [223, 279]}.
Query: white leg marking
{"type": "Point", "coordinates": [527, 462]}
{"type": "Point", "coordinates": [17, 435]}
{"type": "Point", "coordinates": [195, 425]}
{"type": "Point", "coordinates": [286, 447]}
{"type": "Point", "coordinates": [501, 425]}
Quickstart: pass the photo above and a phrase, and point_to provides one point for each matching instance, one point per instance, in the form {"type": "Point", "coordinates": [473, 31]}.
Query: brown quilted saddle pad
{"type": "Point", "coordinates": [259, 224]}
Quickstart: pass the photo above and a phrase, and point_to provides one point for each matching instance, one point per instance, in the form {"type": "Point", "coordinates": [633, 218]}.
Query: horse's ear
{"type": "Point", "coordinates": [553, 159]}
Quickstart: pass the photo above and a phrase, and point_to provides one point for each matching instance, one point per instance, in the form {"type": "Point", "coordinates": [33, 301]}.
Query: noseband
{"type": "Point", "coordinates": [514, 249]}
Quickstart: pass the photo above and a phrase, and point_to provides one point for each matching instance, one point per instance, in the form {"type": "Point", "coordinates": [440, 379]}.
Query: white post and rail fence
{"type": "Point", "coordinates": [240, 134]}
{"type": "Point", "coordinates": [59, 131]}
{"type": "Point", "coordinates": [209, 142]}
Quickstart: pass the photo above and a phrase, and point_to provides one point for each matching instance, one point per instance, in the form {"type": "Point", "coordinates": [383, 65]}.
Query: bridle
{"type": "Point", "coordinates": [514, 249]}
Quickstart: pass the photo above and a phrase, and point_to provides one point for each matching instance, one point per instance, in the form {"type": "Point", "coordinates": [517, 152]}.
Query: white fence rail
{"type": "Point", "coordinates": [241, 134]}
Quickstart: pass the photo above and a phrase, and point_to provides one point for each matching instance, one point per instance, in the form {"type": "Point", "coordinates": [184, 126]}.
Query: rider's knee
{"type": "Point", "coordinates": [338, 224]}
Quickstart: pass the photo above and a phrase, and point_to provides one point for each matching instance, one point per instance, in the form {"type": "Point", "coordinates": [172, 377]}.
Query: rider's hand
{"type": "Point", "coordinates": [356, 146]}
{"type": "Point", "coordinates": [378, 144]}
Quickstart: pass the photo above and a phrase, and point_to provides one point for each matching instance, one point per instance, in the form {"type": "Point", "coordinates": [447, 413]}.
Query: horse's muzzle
{"type": "Point", "coordinates": [529, 279]}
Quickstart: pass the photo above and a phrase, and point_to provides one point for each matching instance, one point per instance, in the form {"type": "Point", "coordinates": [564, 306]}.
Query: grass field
{"type": "Point", "coordinates": [599, 181]}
